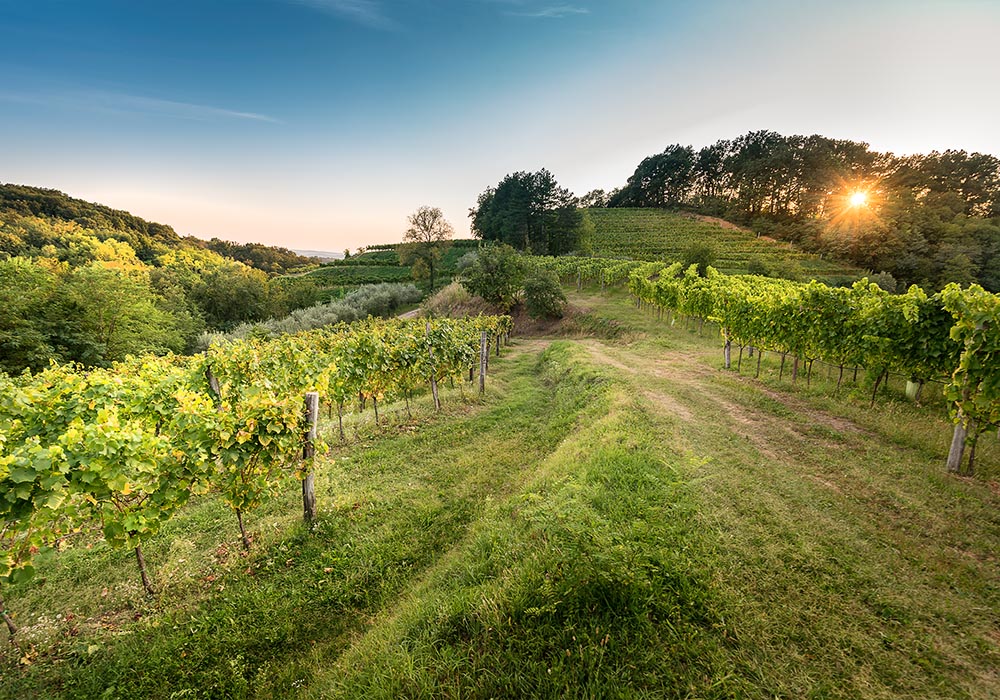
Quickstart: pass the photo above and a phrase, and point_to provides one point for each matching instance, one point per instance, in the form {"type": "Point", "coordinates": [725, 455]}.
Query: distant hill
{"type": "Point", "coordinates": [147, 238]}
{"type": "Point", "coordinates": [657, 234]}
{"type": "Point", "coordinates": [379, 263]}
{"type": "Point", "coordinates": [320, 254]}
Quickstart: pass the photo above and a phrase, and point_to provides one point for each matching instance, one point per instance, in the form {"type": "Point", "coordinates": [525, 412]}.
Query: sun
{"type": "Point", "coordinates": [858, 199]}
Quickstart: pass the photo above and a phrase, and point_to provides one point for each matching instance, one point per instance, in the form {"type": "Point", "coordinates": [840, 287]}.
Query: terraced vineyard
{"type": "Point", "coordinates": [381, 264]}
{"type": "Point", "coordinates": [656, 234]}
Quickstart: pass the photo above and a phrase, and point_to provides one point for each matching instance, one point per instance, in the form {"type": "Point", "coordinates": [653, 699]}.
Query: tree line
{"type": "Point", "coordinates": [71, 294]}
{"type": "Point", "coordinates": [927, 219]}
{"type": "Point", "coordinates": [147, 239]}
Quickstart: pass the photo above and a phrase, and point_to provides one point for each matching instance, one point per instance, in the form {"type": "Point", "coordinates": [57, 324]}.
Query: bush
{"type": "Point", "coordinates": [497, 275]}
{"type": "Point", "coordinates": [466, 261]}
{"type": "Point", "coordinates": [543, 295]}
{"type": "Point", "coordinates": [755, 266]}
{"type": "Point", "coordinates": [885, 281]}
{"type": "Point", "coordinates": [700, 254]}
{"type": "Point", "coordinates": [370, 300]}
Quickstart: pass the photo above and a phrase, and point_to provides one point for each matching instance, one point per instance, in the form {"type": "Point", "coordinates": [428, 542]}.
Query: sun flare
{"type": "Point", "coordinates": [858, 199]}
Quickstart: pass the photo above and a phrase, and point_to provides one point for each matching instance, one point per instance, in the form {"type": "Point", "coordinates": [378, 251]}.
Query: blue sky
{"type": "Point", "coordinates": [323, 123]}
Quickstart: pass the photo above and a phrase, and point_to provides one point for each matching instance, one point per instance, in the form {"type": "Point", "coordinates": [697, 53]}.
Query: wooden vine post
{"type": "Point", "coordinates": [308, 452]}
{"type": "Point", "coordinates": [484, 353]}
{"type": "Point", "coordinates": [434, 384]}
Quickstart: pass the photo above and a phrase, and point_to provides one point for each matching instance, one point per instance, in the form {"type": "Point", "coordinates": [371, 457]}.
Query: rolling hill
{"type": "Point", "coordinates": [657, 234]}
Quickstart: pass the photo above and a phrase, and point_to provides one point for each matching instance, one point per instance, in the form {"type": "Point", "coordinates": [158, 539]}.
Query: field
{"type": "Point", "coordinates": [656, 234]}
{"type": "Point", "coordinates": [619, 517]}
{"type": "Point", "coordinates": [380, 265]}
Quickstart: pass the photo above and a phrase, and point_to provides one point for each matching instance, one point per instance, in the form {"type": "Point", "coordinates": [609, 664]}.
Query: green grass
{"type": "Point", "coordinates": [657, 234]}
{"type": "Point", "coordinates": [619, 517]}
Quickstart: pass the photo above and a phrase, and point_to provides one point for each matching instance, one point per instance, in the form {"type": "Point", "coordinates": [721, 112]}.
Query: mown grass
{"type": "Point", "coordinates": [846, 561]}
{"type": "Point", "coordinates": [491, 499]}
{"type": "Point", "coordinates": [620, 517]}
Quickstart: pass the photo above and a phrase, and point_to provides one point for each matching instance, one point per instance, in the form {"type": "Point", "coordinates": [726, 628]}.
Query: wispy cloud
{"type": "Point", "coordinates": [551, 12]}
{"type": "Point", "coordinates": [368, 13]}
{"type": "Point", "coordinates": [119, 103]}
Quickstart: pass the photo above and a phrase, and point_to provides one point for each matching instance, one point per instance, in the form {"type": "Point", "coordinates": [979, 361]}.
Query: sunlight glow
{"type": "Point", "coordinates": [858, 199]}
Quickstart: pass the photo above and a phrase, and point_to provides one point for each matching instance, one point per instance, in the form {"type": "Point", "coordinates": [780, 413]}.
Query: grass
{"type": "Point", "coordinates": [619, 517]}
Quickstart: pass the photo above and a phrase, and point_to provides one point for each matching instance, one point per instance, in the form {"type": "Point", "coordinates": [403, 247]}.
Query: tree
{"type": "Point", "coordinates": [663, 180]}
{"type": "Point", "coordinates": [531, 212]}
{"type": "Point", "coordinates": [426, 240]}
{"type": "Point", "coordinates": [497, 275]}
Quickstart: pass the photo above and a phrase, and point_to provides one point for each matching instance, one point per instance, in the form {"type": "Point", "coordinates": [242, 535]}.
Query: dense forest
{"type": "Point", "coordinates": [928, 219]}
{"type": "Point", "coordinates": [85, 283]}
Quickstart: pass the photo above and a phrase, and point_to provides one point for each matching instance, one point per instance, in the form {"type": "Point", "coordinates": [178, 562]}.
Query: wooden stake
{"type": "Point", "coordinates": [484, 353]}
{"type": "Point", "coordinates": [957, 450]}
{"type": "Point", "coordinates": [434, 384]}
{"type": "Point", "coordinates": [308, 453]}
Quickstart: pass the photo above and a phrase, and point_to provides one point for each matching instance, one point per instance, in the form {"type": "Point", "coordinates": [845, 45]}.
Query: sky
{"type": "Point", "coordinates": [322, 124]}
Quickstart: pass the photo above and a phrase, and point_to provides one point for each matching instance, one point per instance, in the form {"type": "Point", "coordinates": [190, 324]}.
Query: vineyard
{"type": "Point", "coordinates": [951, 337]}
{"type": "Point", "coordinates": [656, 234]}
{"type": "Point", "coordinates": [380, 264]}
{"type": "Point", "coordinates": [120, 450]}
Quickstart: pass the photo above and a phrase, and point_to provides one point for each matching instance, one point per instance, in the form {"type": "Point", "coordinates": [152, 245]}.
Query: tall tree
{"type": "Point", "coordinates": [426, 240]}
{"type": "Point", "coordinates": [529, 211]}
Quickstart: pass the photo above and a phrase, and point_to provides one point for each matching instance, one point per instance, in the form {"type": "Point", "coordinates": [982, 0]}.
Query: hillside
{"type": "Point", "coordinates": [148, 239]}
{"type": "Point", "coordinates": [658, 234]}
{"type": "Point", "coordinates": [380, 263]}
{"type": "Point", "coordinates": [617, 518]}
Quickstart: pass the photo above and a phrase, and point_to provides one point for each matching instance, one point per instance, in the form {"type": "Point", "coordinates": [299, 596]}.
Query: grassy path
{"type": "Point", "coordinates": [849, 564]}
{"type": "Point", "coordinates": [618, 518]}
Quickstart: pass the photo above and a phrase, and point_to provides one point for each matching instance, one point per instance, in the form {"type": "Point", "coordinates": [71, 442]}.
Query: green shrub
{"type": "Point", "coordinates": [700, 254]}
{"type": "Point", "coordinates": [496, 275]}
{"type": "Point", "coordinates": [543, 295]}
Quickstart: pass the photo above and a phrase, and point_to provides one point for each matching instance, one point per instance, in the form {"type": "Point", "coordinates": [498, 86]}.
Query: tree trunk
{"type": "Point", "coordinates": [727, 352]}
{"type": "Point", "coordinates": [759, 356]}
{"type": "Point", "coordinates": [340, 420]}
{"type": "Point", "coordinates": [11, 627]}
{"type": "Point", "coordinates": [739, 361]}
{"type": "Point", "coordinates": [878, 380]}
{"type": "Point", "coordinates": [809, 372]}
{"type": "Point", "coordinates": [840, 378]}
{"type": "Point", "coordinates": [375, 406]}
{"type": "Point", "coordinates": [213, 387]}
{"type": "Point", "coordinates": [971, 468]}
{"type": "Point", "coordinates": [781, 372]}
{"type": "Point", "coordinates": [143, 574]}
{"type": "Point", "coordinates": [243, 530]}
